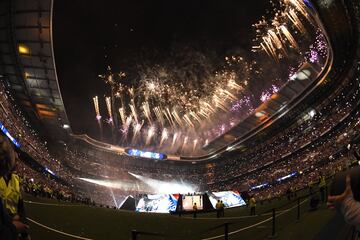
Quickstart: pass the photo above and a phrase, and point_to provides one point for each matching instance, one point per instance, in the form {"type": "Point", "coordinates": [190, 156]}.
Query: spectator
{"type": "Point", "coordinates": [349, 207]}
{"type": "Point", "coordinates": [9, 227]}
{"type": "Point", "coordinates": [11, 195]}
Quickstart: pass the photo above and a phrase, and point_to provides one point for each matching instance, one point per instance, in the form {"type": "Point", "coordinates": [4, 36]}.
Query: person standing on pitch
{"type": "Point", "coordinates": [252, 204]}
{"type": "Point", "coordinates": [222, 209]}
{"type": "Point", "coordinates": [218, 208]}
{"type": "Point", "coordinates": [195, 209]}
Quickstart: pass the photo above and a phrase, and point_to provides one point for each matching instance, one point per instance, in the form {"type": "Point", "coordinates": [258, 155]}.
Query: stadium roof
{"type": "Point", "coordinates": [27, 63]}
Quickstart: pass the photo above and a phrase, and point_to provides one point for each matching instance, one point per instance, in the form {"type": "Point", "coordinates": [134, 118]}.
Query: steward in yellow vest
{"type": "Point", "coordinates": [11, 194]}
{"type": "Point", "coordinates": [252, 204]}
{"type": "Point", "coordinates": [10, 226]}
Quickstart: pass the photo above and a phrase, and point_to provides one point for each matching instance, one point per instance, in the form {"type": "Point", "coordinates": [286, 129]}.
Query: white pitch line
{"type": "Point", "coordinates": [232, 218]}
{"type": "Point", "coordinates": [54, 204]}
{"type": "Point", "coordinates": [254, 225]}
{"type": "Point", "coordinates": [57, 231]}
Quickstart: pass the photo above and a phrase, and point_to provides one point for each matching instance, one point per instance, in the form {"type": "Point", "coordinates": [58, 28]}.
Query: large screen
{"type": "Point", "coordinates": [229, 198]}
{"type": "Point", "coordinates": [143, 154]}
{"type": "Point", "coordinates": [189, 200]}
{"type": "Point", "coordinates": [6, 132]}
{"type": "Point", "coordinates": [158, 203]}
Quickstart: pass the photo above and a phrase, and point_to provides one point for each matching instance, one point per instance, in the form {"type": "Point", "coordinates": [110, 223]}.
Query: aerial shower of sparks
{"type": "Point", "coordinates": [96, 106]}
{"type": "Point", "coordinates": [175, 137]}
{"type": "Point", "coordinates": [180, 110]}
{"type": "Point", "coordinates": [301, 7]}
{"type": "Point", "coordinates": [195, 142]}
{"type": "Point", "coordinates": [125, 127]}
{"type": "Point", "coordinates": [318, 49]}
{"type": "Point", "coordinates": [147, 112]}
{"type": "Point", "coordinates": [137, 128]}
{"type": "Point", "coordinates": [188, 121]}
{"type": "Point", "coordinates": [159, 115]}
{"type": "Point", "coordinates": [274, 36]}
{"type": "Point", "coordinates": [265, 96]}
{"type": "Point", "coordinates": [243, 103]}
{"type": "Point", "coordinates": [186, 138]}
{"type": "Point", "coordinates": [151, 133]}
{"type": "Point", "coordinates": [177, 118]}
{"type": "Point", "coordinates": [164, 136]}
{"type": "Point", "coordinates": [134, 113]}
{"type": "Point", "coordinates": [206, 142]}
{"type": "Point", "coordinates": [122, 115]}
{"type": "Point", "coordinates": [108, 106]}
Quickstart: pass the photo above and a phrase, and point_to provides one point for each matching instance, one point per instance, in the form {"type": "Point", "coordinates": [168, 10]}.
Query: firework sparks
{"type": "Point", "coordinates": [151, 133]}
{"type": "Point", "coordinates": [186, 138]}
{"type": "Point", "coordinates": [175, 137]}
{"type": "Point", "coordinates": [96, 106]}
{"type": "Point", "coordinates": [125, 127]}
{"type": "Point", "coordinates": [170, 107]}
{"type": "Point", "coordinates": [122, 115]}
{"type": "Point", "coordinates": [147, 112]}
{"type": "Point", "coordinates": [136, 130]}
{"type": "Point", "coordinates": [195, 142]}
{"type": "Point", "coordinates": [275, 35]}
{"type": "Point", "coordinates": [164, 136]}
{"type": "Point", "coordinates": [133, 111]}
{"type": "Point", "coordinates": [108, 106]}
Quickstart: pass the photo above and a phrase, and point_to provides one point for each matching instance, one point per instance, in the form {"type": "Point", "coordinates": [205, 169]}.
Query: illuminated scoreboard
{"type": "Point", "coordinates": [143, 154]}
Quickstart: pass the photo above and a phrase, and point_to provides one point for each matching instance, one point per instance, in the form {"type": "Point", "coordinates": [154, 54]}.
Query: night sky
{"type": "Point", "coordinates": [90, 35]}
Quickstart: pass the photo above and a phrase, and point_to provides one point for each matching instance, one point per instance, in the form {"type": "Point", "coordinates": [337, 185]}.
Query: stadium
{"type": "Point", "coordinates": [180, 120]}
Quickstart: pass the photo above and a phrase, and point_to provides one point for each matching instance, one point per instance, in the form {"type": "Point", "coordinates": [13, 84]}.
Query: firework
{"type": "Point", "coordinates": [151, 133]}
{"type": "Point", "coordinates": [164, 136]}
{"type": "Point", "coordinates": [175, 137]}
{"type": "Point", "coordinates": [136, 130]}
{"type": "Point", "coordinates": [182, 110]}
{"type": "Point", "coordinates": [159, 116]}
{"type": "Point", "coordinates": [122, 115]}
{"type": "Point", "coordinates": [185, 142]}
{"type": "Point", "coordinates": [96, 106]}
{"type": "Point", "coordinates": [125, 127]}
{"type": "Point", "coordinates": [133, 111]}
{"type": "Point", "coordinates": [273, 36]}
{"type": "Point", "coordinates": [108, 106]}
{"type": "Point", "coordinates": [195, 142]}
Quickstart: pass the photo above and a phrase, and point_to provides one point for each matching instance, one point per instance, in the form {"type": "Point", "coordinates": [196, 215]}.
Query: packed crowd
{"type": "Point", "coordinates": [15, 122]}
